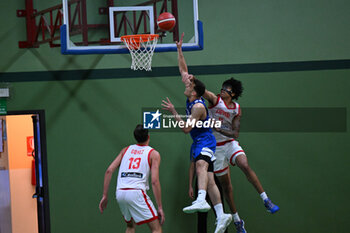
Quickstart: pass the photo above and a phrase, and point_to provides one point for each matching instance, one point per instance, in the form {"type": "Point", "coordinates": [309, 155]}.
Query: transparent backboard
{"type": "Point", "coordinates": [95, 26]}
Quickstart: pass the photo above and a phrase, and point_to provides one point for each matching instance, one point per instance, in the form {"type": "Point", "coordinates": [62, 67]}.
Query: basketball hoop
{"type": "Point", "coordinates": [141, 49]}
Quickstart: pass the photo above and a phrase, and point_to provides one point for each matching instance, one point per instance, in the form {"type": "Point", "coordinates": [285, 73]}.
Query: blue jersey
{"type": "Point", "coordinates": [198, 132]}
{"type": "Point", "coordinates": [203, 139]}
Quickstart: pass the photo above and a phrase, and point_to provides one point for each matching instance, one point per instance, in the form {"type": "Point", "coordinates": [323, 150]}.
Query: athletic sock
{"type": "Point", "coordinates": [201, 194]}
{"type": "Point", "coordinates": [263, 196]}
{"type": "Point", "coordinates": [219, 210]}
{"type": "Point", "coordinates": [236, 217]}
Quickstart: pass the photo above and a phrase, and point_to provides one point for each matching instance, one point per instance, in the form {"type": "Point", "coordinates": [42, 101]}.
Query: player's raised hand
{"type": "Point", "coordinates": [167, 105]}
{"type": "Point", "coordinates": [179, 43]}
{"type": "Point", "coordinates": [188, 79]}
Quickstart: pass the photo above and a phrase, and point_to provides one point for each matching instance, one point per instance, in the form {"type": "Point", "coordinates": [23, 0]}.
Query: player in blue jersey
{"type": "Point", "coordinates": [204, 144]}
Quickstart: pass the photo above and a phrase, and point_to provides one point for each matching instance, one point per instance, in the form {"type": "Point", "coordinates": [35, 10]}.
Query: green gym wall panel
{"type": "Point", "coordinates": [90, 121]}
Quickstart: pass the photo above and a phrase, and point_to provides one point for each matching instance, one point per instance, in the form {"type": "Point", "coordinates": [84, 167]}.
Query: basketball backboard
{"type": "Point", "coordinates": [95, 27]}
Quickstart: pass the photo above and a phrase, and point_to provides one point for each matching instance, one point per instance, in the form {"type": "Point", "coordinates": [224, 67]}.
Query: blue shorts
{"type": "Point", "coordinates": [204, 145]}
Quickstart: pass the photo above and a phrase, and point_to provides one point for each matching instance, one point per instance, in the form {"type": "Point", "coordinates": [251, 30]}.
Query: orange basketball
{"type": "Point", "coordinates": [166, 21]}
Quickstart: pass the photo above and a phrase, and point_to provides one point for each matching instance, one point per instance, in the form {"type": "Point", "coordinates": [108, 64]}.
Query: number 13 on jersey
{"type": "Point", "coordinates": [134, 163]}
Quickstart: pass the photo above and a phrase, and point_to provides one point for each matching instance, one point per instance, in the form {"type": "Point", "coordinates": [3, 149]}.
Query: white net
{"type": "Point", "coordinates": [141, 49]}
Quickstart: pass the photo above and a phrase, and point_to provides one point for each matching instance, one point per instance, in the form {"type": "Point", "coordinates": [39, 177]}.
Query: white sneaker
{"type": "Point", "coordinates": [197, 206]}
{"type": "Point", "coordinates": [223, 222]}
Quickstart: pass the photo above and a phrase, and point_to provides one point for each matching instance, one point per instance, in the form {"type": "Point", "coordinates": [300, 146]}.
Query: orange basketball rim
{"type": "Point", "coordinates": [136, 40]}
{"type": "Point", "coordinates": [141, 48]}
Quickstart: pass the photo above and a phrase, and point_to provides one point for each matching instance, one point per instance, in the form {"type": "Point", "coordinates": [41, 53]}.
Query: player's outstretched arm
{"type": "Point", "coordinates": [155, 162]}
{"type": "Point", "coordinates": [197, 112]}
{"type": "Point", "coordinates": [211, 97]}
{"type": "Point", "coordinates": [167, 105]}
{"type": "Point", "coordinates": [182, 63]}
{"type": "Point", "coordinates": [108, 175]}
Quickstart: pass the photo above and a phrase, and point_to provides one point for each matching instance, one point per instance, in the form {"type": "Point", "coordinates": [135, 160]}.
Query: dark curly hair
{"type": "Point", "coordinates": [236, 87]}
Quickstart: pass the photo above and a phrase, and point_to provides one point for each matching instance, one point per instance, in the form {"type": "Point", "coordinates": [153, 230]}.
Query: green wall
{"type": "Point", "coordinates": [88, 122]}
{"type": "Point", "coordinates": [90, 119]}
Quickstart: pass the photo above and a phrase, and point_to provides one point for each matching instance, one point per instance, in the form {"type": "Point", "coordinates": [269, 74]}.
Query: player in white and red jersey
{"type": "Point", "coordinates": [136, 163]}
{"type": "Point", "coordinates": [224, 108]}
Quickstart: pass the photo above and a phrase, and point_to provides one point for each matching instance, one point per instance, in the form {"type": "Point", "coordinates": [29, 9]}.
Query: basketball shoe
{"type": "Point", "coordinates": [240, 227]}
{"type": "Point", "coordinates": [223, 222]}
{"type": "Point", "coordinates": [197, 206]}
{"type": "Point", "coordinates": [270, 207]}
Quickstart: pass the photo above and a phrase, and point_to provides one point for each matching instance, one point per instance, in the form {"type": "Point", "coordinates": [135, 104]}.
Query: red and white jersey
{"type": "Point", "coordinates": [223, 113]}
{"type": "Point", "coordinates": [135, 168]}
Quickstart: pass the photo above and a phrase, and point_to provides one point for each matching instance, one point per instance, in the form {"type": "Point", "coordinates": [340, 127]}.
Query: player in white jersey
{"type": "Point", "coordinates": [136, 163]}
{"type": "Point", "coordinates": [223, 107]}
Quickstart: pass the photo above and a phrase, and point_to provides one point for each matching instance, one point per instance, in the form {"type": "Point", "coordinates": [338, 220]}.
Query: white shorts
{"type": "Point", "coordinates": [226, 152]}
{"type": "Point", "coordinates": [135, 204]}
